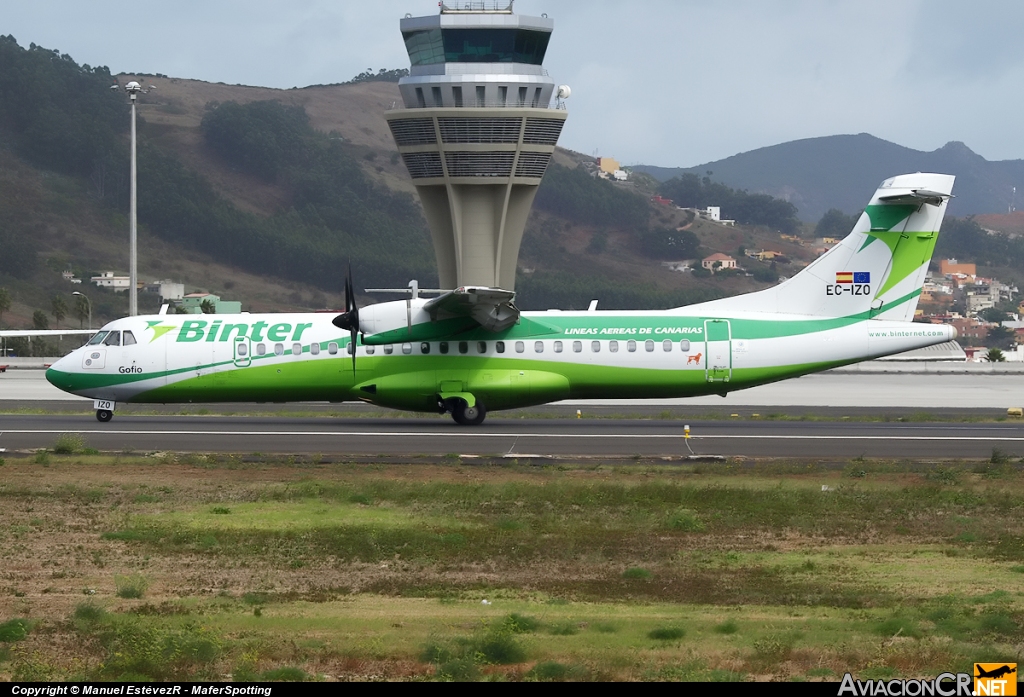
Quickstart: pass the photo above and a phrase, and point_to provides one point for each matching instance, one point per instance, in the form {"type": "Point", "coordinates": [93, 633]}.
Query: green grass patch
{"type": "Point", "coordinates": [727, 627]}
{"type": "Point", "coordinates": [637, 574]}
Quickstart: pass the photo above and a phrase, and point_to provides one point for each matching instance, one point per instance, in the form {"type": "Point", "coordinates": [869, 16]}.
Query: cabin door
{"type": "Point", "coordinates": [717, 350]}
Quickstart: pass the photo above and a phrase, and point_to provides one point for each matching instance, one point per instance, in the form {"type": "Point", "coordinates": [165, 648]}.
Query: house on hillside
{"type": "Point", "coordinates": [107, 279]}
{"type": "Point", "coordinates": [718, 261]}
{"type": "Point", "coordinates": [951, 267]}
{"type": "Point", "coordinates": [192, 304]}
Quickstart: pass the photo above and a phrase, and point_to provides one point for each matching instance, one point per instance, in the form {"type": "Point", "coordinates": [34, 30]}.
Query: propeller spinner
{"type": "Point", "coordinates": [349, 320]}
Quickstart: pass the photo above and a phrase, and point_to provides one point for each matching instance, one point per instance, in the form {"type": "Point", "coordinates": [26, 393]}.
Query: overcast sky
{"type": "Point", "coordinates": [672, 83]}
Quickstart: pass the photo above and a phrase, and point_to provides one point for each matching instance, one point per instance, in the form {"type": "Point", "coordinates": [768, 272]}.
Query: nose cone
{"type": "Point", "coordinates": [58, 375]}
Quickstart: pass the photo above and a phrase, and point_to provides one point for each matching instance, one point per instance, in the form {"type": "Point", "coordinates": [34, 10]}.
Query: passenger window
{"type": "Point", "coordinates": [97, 338]}
{"type": "Point", "coordinates": [278, 349]}
{"type": "Point", "coordinates": [242, 350]}
{"type": "Point", "coordinates": [296, 349]}
{"type": "Point", "coordinates": [649, 345]}
{"type": "Point", "coordinates": [595, 346]}
{"type": "Point", "coordinates": [538, 346]}
{"type": "Point", "coordinates": [631, 346]}
{"type": "Point", "coordinates": [481, 347]}
{"type": "Point", "coordinates": [577, 346]}
{"type": "Point", "coordinates": [463, 347]}
{"type": "Point", "coordinates": [666, 345]}
{"type": "Point", "coordinates": [314, 349]}
{"type": "Point", "coordinates": [113, 339]}
{"type": "Point", "coordinates": [558, 347]}
{"type": "Point", "coordinates": [370, 350]}
{"type": "Point", "coordinates": [520, 347]}
{"type": "Point", "coordinates": [443, 348]}
{"type": "Point", "coordinates": [406, 348]}
{"type": "Point", "coordinates": [613, 346]}
{"type": "Point", "coordinates": [129, 339]}
{"type": "Point", "coordinates": [425, 348]}
{"type": "Point", "coordinates": [684, 345]}
{"type": "Point", "coordinates": [261, 350]}
{"type": "Point", "coordinates": [350, 348]}
{"type": "Point", "coordinates": [332, 348]}
{"type": "Point", "coordinates": [499, 346]}
{"type": "Point", "coordinates": [388, 349]}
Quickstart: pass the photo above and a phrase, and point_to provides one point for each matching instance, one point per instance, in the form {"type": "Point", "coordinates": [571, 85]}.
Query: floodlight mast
{"type": "Point", "coordinates": [133, 88]}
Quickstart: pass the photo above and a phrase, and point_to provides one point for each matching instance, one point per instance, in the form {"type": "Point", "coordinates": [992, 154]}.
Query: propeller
{"type": "Point", "coordinates": [350, 318]}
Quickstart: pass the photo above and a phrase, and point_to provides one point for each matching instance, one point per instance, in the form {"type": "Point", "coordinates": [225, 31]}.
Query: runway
{"type": "Point", "coordinates": [937, 388]}
{"type": "Point", "coordinates": [611, 438]}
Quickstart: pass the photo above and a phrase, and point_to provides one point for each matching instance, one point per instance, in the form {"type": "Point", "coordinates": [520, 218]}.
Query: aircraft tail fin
{"type": "Point", "coordinates": [877, 271]}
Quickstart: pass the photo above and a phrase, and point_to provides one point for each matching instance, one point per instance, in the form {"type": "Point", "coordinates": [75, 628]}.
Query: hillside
{"type": "Point", "coordinates": [842, 171]}
{"type": "Point", "coordinates": [265, 195]}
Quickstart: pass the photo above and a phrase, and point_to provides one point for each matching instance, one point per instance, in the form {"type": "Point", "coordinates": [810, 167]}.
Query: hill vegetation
{"type": "Point", "coordinates": [276, 190]}
{"type": "Point", "coordinates": [842, 171]}
{"type": "Point", "coordinates": [690, 191]}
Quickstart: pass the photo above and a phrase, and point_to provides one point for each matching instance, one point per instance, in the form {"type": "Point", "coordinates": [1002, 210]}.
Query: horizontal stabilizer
{"type": "Point", "coordinates": [491, 308]}
{"type": "Point", "coordinates": [932, 198]}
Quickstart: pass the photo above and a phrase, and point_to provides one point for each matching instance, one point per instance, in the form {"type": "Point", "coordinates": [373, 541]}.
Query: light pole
{"type": "Point", "coordinates": [88, 303]}
{"type": "Point", "coordinates": [133, 88]}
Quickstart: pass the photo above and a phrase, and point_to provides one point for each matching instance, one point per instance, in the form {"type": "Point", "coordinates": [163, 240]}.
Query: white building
{"type": "Point", "coordinates": [107, 279]}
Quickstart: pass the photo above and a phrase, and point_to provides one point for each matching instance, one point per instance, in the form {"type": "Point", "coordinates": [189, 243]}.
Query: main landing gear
{"type": "Point", "coordinates": [465, 415]}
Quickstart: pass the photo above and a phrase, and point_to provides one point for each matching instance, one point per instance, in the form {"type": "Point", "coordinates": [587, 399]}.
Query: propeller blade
{"type": "Point", "coordinates": [349, 319]}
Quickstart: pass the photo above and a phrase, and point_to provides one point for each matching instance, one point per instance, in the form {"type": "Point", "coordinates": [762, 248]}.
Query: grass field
{"type": "Point", "coordinates": [200, 567]}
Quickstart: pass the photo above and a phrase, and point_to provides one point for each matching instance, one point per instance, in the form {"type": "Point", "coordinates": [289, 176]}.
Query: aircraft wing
{"type": "Point", "coordinates": [491, 308]}
{"type": "Point", "coordinates": [17, 333]}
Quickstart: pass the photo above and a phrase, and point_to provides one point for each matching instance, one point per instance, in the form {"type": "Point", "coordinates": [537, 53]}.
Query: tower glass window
{"type": "Point", "coordinates": [476, 45]}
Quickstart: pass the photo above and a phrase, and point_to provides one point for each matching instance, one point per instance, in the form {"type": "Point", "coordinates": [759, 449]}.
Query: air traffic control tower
{"type": "Point", "coordinates": [477, 132]}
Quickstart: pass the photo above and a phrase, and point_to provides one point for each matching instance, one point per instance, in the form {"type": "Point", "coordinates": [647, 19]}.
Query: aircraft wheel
{"type": "Point", "coordinates": [104, 415]}
{"type": "Point", "coordinates": [469, 416]}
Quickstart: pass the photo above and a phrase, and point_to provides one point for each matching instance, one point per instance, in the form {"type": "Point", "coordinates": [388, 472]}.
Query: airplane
{"type": "Point", "coordinates": [470, 350]}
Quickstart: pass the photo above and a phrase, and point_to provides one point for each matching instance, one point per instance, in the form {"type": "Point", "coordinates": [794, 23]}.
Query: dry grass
{"type": "Point", "coordinates": [351, 571]}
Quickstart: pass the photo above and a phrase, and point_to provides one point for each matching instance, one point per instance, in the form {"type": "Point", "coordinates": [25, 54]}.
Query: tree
{"type": "Point", "coordinates": [835, 224]}
{"type": "Point", "coordinates": [207, 307]}
{"type": "Point", "coordinates": [59, 309]}
{"type": "Point", "coordinates": [994, 355]}
{"type": "Point", "coordinates": [992, 314]}
{"type": "Point", "coordinates": [39, 320]}
{"type": "Point", "coordinates": [5, 303]}
{"type": "Point", "coordinates": [1000, 337]}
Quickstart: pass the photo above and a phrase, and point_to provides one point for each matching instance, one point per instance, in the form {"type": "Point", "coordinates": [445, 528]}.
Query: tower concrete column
{"type": "Point", "coordinates": [477, 132]}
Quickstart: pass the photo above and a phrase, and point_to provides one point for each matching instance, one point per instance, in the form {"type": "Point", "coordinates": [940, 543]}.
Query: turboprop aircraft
{"type": "Point", "coordinates": [470, 350]}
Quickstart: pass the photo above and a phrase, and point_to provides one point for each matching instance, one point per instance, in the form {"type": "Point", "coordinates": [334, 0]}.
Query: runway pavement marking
{"type": "Point", "coordinates": [470, 434]}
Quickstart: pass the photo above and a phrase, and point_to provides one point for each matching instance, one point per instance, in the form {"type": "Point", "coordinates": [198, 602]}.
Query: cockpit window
{"type": "Point", "coordinates": [113, 339]}
{"type": "Point", "coordinates": [129, 339]}
{"type": "Point", "coordinates": [97, 338]}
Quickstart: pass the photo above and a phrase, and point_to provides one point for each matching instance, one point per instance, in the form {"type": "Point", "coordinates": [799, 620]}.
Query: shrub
{"type": "Point", "coordinates": [520, 624]}
{"type": "Point", "coordinates": [685, 520]}
{"type": "Point", "coordinates": [286, 674]}
{"type": "Point", "coordinates": [131, 586]}
{"type": "Point", "coordinates": [14, 630]}
{"type": "Point", "coordinates": [87, 612]}
{"type": "Point", "coordinates": [727, 627]}
{"type": "Point", "coordinates": [565, 629]}
{"type": "Point", "coordinates": [549, 670]}
{"type": "Point", "coordinates": [501, 648]}
{"type": "Point", "coordinates": [68, 444]}
{"type": "Point", "coordinates": [637, 573]}
{"type": "Point", "coordinates": [666, 633]}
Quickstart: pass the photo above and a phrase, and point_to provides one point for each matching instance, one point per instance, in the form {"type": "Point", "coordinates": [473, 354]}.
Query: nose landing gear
{"type": "Point", "coordinates": [104, 415]}
{"type": "Point", "coordinates": [104, 409]}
